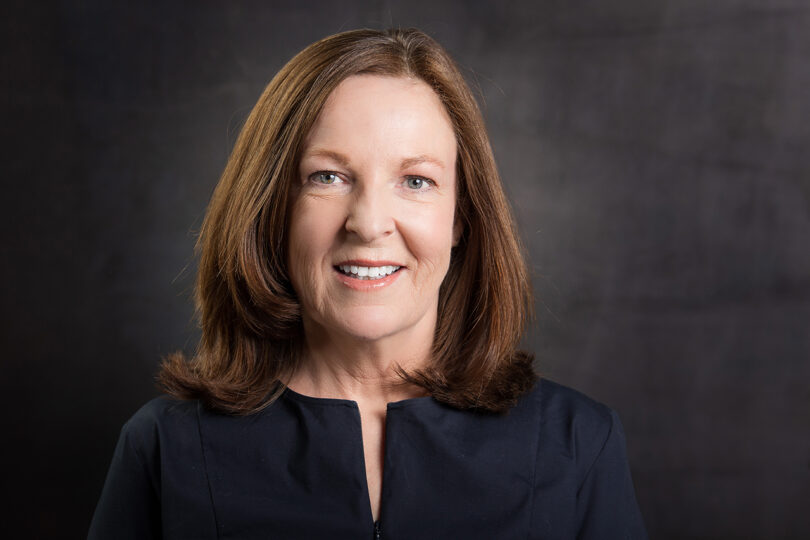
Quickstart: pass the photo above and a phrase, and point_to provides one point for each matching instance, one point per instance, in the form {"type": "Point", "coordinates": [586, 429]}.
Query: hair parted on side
{"type": "Point", "coordinates": [252, 334]}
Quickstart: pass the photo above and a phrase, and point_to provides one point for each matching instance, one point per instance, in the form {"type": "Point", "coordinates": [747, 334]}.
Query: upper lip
{"type": "Point", "coordinates": [367, 262]}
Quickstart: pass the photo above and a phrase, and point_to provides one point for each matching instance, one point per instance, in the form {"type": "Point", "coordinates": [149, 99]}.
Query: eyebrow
{"type": "Point", "coordinates": [335, 156]}
{"type": "Point", "coordinates": [424, 158]}
{"type": "Point", "coordinates": [345, 161]}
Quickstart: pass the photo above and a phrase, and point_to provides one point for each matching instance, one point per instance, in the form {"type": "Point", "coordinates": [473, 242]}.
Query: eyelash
{"type": "Point", "coordinates": [315, 175]}
{"type": "Point", "coordinates": [313, 178]}
{"type": "Point", "coordinates": [428, 181]}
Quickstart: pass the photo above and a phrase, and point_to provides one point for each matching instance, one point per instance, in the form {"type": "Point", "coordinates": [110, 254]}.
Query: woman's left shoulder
{"type": "Point", "coordinates": [552, 398]}
{"type": "Point", "coordinates": [573, 420]}
{"type": "Point", "coordinates": [582, 458]}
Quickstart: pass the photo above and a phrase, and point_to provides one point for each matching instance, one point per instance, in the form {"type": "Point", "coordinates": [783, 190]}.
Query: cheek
{"type": "Point", "coordinates": [430, 236]}
{"type": "Point", "coordinates": [312, 232]}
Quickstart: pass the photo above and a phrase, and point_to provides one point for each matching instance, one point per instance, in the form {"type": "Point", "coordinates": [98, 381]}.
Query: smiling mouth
{"type": "Point", "coordinates": [369, 273]}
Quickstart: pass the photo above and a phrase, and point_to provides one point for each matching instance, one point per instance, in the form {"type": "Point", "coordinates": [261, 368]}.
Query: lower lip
{"type": "Point", "coordinates": [368, 284]}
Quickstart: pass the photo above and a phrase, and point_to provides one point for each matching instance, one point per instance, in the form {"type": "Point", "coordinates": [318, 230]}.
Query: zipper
{"type": "Point", "coordinates": [377, 533]}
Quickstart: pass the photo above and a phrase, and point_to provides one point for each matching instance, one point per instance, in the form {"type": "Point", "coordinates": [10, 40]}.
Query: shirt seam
{"type": "Point", "coordinates": [598, 455]}
{"type": "Point", "coordinates": [592, 466]}
{"type": "Point", "coordinates": [534, 471]}
{"type": "Point", "coordinates": [205, 473]}
{"type": "Point", "coordinates": [142, 463]}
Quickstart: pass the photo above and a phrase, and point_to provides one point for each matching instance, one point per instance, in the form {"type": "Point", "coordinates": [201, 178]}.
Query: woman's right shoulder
{"type": "Point", "coordinates": [159, 452]}
{"type": "Point", "coordinates": [161, 415]}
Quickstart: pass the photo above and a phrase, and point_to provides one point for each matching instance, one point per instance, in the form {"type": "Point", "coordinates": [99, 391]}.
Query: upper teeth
{"type": "Point", "coordinates": [370, 272]}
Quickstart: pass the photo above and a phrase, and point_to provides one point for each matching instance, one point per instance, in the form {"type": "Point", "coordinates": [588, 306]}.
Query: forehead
{"type": "Point", "coordinates": [385, 116]}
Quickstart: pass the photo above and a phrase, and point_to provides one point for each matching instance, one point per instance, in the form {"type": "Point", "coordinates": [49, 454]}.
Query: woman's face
{"type": "Point", "coordinates": [372, 223]}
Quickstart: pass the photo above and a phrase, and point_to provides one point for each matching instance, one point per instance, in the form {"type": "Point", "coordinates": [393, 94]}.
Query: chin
{"type": "Point", "coordinates": [370, 332]}
{"type": "Point", "coordinates": [371, 325]}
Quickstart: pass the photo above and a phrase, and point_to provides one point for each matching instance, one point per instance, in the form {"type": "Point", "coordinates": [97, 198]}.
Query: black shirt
{"type": "Point", "coordinates": [554, 467]}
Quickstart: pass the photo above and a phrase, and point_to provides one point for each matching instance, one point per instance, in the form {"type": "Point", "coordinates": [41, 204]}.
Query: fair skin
{"type": "Point", "coordinates": [371, 232]}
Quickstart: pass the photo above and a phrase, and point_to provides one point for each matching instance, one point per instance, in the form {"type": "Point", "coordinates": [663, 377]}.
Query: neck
{"type": "Point", "coordinates": [347, 367]}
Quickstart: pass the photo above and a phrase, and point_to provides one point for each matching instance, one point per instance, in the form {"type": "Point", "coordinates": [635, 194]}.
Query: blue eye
{"type": "Point", "coordinates": [416, 182]}
{"type": "Point", "coordinates": [325, 178]}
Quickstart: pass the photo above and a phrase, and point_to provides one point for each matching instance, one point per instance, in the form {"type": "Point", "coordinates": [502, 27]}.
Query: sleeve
{"type": "Point", "coordinates": [606, 500]}
{"type": "Point", "coordinates": [129, 507]}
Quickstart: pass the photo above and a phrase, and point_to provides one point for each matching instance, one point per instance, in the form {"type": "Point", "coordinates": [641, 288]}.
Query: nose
{"type": "Point", "coordinates": [370, 214]}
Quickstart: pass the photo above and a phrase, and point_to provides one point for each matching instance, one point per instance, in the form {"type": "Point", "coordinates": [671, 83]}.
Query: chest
{"type": "Point", "coordinates": [308, 474]}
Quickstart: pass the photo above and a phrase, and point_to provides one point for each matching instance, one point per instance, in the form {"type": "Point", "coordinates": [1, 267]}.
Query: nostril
{"type": "Point", "coordinates": [370, 227]}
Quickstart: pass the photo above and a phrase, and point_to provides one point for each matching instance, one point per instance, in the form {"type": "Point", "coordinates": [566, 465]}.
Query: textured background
{"type": "Point", "coordinates": [658, 157]}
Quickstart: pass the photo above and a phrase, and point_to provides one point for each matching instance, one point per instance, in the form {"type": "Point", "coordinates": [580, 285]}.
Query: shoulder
{"type": "Point", "coordinates": [157, 418]}
{"type": "Point", "coordinates": [161, 410]}
{"type": "Point", "coordinates": [582, 469]}
{"type": "Point", "coordinates": [571, 423]}
{"type": "Point", "coordinates": [554, 401]}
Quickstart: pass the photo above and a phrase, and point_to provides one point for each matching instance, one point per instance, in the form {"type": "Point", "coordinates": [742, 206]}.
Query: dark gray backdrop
{"type": "Point", "coordinates": [656, 154]}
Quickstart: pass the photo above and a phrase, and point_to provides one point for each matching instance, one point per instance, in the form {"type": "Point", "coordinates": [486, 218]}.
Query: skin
{"type": "Point", "coordinates": [376, 182]}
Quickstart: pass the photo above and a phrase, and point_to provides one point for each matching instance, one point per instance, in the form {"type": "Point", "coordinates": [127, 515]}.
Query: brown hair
{"type": "Point", "coordinates": [252, 334]}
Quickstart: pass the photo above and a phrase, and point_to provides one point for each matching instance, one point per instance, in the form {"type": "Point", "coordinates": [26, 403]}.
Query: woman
{"type": "Point", "coordinates": [362, 292]}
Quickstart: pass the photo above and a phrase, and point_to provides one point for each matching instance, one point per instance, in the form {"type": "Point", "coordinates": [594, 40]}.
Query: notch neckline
{"type": "Point", "coordinates": [289, 392]}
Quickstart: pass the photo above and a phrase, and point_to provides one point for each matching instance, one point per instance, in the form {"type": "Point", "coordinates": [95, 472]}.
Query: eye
{"type": "Point", "coordinates": [417, 182]}
{"type": "Point", "coordinates": [325, 177]}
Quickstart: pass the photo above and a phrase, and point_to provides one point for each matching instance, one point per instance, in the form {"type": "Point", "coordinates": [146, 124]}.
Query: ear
{"type": "Point", "coordinates": [458, 228]}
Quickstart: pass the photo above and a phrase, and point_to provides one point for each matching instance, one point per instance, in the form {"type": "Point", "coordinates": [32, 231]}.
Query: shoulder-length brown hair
{"type": "Point", "coordinates": [252, 334]}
